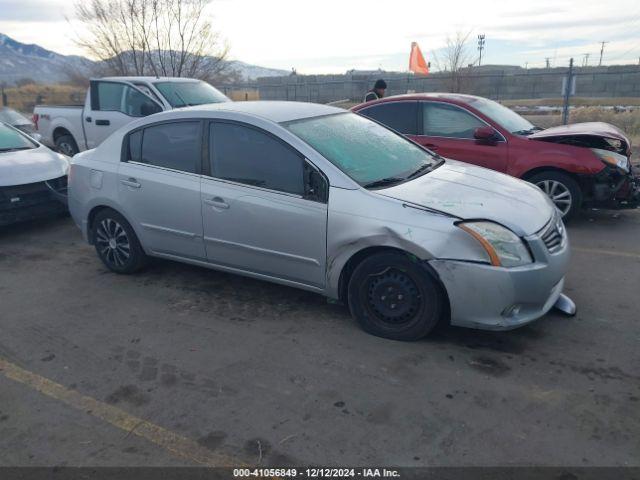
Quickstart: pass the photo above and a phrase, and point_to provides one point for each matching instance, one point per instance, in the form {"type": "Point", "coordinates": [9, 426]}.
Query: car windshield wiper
{"type": "Point", "coordinates": [528, 131]}
{"type": "Point", "coordinates": [384, 182]}
{"type": "Point", "coordinates": [426, 168]}
{"type": "Point", "coordinates": [14, 149]}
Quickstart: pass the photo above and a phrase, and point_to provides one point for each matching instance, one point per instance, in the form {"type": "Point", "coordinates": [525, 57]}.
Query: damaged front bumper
{"type": "Point", "coordinates": [613, 189]}
{"type": "Point", "coordinates": [497, 298]}
{"type": "Point", "coordinates": [21, 203]}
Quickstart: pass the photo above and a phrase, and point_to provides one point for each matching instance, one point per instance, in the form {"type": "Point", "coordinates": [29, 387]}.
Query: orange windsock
{"type": "Point", "coordinates": [417, 63]}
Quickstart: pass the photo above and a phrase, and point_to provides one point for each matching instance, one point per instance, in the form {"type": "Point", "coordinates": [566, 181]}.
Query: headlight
{"type": "Point", "coordinates": [503, 246]}
{"type": "Point", "coordinates": [612, 158]}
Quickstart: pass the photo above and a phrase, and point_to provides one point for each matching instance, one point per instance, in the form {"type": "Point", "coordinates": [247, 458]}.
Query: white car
{"type": "Point", "coordinates": [33, 178]}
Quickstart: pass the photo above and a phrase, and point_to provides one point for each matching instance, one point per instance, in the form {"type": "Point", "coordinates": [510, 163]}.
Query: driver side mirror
{"type": "Point", "coordinates": [485, 134]}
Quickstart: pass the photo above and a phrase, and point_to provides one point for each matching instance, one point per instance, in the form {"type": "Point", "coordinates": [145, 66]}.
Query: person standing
{"type": "Point", "coordinates": [376, 92]}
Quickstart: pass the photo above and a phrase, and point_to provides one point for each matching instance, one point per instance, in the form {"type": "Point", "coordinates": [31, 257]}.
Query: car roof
{"type": "Point", "coordinates": [442, 96]}
{"type": "Point", "coordinates": [149, 79]}
{"type": "Point", "coordinates": [275, 111]}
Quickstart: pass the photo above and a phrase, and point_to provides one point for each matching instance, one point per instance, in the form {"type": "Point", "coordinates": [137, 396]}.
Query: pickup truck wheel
{"type": "Point", "coordinates": [67, 145]}
{"type": "Point", "coordinates": [563, 191]}
{"type": "Point", "coordinates": [393, 297]}
{"type": "Point", "coordinates": [116, 243]}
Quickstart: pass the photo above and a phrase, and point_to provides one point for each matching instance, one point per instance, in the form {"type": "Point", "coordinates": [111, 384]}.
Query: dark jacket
{"type": "Point", "coordinates": [371, 96]}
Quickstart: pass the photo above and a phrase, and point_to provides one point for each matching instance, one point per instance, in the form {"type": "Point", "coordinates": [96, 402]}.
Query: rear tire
{"type": "Point", "coordinates": [67, 145]}
{"type": "Point", "coordinates": [563, 191]}
{"type": "Point", "coordinates": [116, 243]}
{"type": "Point", "coordinates": [393, 297]}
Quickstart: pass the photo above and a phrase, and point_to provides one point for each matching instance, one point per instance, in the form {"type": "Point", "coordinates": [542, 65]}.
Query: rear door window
{"type": "Point", "coordinates": [175, 145]}
{"type": "Point", "coordinates": [400, 116]}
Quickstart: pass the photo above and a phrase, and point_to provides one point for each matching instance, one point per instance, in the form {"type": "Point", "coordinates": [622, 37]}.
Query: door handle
{"type": "Point", "coordinates": [131, 182]}
{"type": "Point", "coordinates": [217, 202]}
{"type": "Point", "coordinates": [103, 122]}
{"type": "Point", "coordinates": [431, 146]}
{"type": "Point", "coordinates": [88, 119]}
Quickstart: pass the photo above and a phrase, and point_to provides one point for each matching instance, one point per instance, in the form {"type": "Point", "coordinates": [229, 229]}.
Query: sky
{"type": "Point", "coordinates": [333, 36]}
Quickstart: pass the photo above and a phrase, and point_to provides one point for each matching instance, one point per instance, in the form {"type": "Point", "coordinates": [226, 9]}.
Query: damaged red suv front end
{"type": "Point", "coordinates": [617, 184]}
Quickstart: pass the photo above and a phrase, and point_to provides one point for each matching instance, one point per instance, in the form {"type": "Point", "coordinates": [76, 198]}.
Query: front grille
{"type": "Point", "coordinates": [28, 195]}
{"type": "Point", "coordinates": [554, 235]}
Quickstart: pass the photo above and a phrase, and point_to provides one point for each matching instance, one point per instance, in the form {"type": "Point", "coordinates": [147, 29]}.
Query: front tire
{"type": "Point", "coordinates": [563, 191]}
{"type": "Point", "coordinates": [116, 243]}
{"type": "Point", "coordinates": [393, 297]}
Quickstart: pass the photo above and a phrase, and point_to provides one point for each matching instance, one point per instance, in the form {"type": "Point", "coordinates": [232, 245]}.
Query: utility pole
{"type": "Point", "coordinates": [526, 65]}
{"type": "Point", "coordinates": [601, 52]}
{"type": "Point", "coordinates": [585, 62]}
{"type": "Point", "coordinates": [548, 61]}
{"type": "Point", "coordinates": [480, 47]}
{"type": "Point", "coordinates": [567, 94]}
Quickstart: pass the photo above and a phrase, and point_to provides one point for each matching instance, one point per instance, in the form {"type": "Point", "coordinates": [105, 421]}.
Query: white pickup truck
{"type": "Point", "coordinates": [111, 103]}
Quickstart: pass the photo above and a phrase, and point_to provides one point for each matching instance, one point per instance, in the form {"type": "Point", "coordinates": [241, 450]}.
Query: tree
{"type": "Point", "coordinates": [454, 61]}
{"type": "Point", "coordinates": [172, 38]}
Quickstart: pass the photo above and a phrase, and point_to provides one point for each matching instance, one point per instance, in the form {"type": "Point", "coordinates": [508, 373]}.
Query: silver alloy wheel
{"type": "Point", "coordinates": [67, 149]}
{"type": "Point", "coordinates": [558, 193]}
{"type": "Point", "coordinates": [113, 242]}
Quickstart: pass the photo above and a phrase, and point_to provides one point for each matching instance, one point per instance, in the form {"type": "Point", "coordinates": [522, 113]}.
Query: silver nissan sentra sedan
{"type": "Point", "coordinates": [317, 198]}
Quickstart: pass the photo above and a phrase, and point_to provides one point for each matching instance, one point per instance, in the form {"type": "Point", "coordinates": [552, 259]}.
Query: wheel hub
{"type": "Point", "coordinates": [558, 193]}
{"type": "Point", "coordinates": [393, 296]}
{"type": "Point", "coordinates": [113, 243]}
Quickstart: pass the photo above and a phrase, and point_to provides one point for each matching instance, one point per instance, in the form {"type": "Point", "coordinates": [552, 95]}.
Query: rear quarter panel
{"type": "Point", "coordinates": [69, 118]}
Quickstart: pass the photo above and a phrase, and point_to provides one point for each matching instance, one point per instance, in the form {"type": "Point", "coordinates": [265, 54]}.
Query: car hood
{"type": "Point", "coordinates": [469, 192]}
{"type": "Point", "coordinates": [31, 166]}
{"type": "Point", "coordinates": [593, 129]}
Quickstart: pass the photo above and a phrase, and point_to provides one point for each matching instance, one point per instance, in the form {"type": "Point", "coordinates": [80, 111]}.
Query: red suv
{"type": "Point", "coordinates": [579, 165]}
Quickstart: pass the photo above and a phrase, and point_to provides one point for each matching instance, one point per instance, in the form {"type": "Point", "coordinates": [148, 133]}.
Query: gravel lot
{"type": "Point", "coordinates": [264, 374]}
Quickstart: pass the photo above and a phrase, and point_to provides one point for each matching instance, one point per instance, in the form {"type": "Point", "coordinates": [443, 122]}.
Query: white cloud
{"type": "Point", "coordinates": [334, 35]}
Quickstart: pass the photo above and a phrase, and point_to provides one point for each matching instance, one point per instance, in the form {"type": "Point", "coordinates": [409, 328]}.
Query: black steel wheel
{"type": "Point", "coordinates": [116, 243]}
{"type": "Point", "coordinates": [394, 297]}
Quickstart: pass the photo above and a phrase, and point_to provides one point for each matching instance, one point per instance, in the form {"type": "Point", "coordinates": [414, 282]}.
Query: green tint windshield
{"type": "Point", "coordinates": [364, 150]}
{"type": "Point", "coordinates": [11, 140]}
{"type": "Point", "coordinates": [186, 94]}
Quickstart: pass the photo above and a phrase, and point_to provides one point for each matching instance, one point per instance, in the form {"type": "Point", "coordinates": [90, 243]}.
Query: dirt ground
{"type": "Point", "coordinates": [180, 365]}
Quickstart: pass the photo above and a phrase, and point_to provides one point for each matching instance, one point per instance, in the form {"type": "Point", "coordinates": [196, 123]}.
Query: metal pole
{"type": "Point", "coordinates": [567, 94]}
{"type": "Point", "coordinates": [601, 53]}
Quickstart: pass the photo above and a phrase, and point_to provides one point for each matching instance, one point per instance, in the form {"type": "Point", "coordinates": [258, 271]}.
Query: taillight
{"type": "Point", "coordinates": [35, 119]}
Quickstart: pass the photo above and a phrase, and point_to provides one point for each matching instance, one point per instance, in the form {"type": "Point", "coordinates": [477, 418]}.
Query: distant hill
{"type": "Point", "coordinates": [20, 60]}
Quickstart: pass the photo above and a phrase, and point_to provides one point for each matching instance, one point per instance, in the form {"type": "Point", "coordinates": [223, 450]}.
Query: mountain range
{"type": "Point", "coordinates": [19, 60]}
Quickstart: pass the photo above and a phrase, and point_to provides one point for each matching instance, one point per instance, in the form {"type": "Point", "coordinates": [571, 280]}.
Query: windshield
{"type": "Point", "coordinates": [11, 140]}
{"type": "Point", "coordinates": [369, 153]}
{"type": "Point", "coordinates": [186, 94]}
{"type": "Point", "coordinates": [503, 116]}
